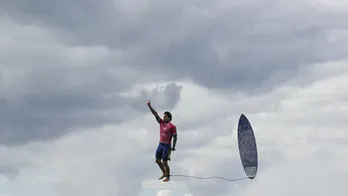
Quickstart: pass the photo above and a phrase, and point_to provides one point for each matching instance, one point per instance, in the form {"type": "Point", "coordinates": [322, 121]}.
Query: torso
{"type": "Point", "coordinates": [166, 132]}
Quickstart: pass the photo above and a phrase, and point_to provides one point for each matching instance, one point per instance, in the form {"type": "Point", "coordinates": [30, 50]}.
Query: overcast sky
{"type": "Point", "coordinates": [75, 77]}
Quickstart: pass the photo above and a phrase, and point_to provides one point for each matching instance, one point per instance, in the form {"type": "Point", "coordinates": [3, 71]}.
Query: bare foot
{"type": "Point", "coordinates": [162, 177]}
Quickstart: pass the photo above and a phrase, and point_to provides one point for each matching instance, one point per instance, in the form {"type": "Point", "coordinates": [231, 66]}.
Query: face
{"type": "Point", "coordinates": [165, 118]}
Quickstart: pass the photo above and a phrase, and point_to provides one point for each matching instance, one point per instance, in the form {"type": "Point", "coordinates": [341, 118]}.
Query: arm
{"type": "Point", "coordinates": [174, 141]}
{"type": "Point", "coordinates": [154, 112]}
{"type": "Point", "coordinates": [175, 138]}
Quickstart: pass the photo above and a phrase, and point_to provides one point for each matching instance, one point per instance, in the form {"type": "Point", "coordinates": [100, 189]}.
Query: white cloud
{"type": "Point", "coordinates": [164, 193]}
{"type": "Point", "coordinates": [300, 122]}
{"type": "Point", "coordinates": [301, 135]}
{"type": "Point", "coordinates": [309, 129]}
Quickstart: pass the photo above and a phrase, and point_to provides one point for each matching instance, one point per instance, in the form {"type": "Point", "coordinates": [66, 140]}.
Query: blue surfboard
{"type": "Point", "coordinates": [247, 147]}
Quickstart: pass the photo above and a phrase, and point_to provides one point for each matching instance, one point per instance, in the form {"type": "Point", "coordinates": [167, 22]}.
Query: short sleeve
{"type": "Point", "coordinates": [159, 120]}
{"type": "Point", "coordinates": [174, 130]}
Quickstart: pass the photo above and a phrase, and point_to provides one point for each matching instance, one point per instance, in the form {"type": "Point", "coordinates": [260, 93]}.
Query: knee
{"type": "Point", "coordinates": [165, 163]}
{"type": "Point", "coordinates": [158, 161]}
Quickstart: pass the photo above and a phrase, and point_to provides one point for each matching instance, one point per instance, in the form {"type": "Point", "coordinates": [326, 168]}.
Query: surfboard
{"type": "Point", "coordinates": [247, 147]}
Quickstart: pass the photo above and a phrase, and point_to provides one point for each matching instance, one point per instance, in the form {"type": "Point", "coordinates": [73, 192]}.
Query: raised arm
{"type": "Point", "coordinates": [154, 112]}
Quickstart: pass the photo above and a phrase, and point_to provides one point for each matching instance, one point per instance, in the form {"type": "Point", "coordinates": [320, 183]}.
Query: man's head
{"type": "Point", "coordinates": [167, 116]}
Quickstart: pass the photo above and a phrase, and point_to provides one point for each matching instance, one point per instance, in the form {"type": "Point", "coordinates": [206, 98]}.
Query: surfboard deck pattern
{"type": "Point", "coordinates": [247, 147]}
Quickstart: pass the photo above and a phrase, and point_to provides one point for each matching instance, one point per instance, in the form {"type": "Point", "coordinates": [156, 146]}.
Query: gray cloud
{"type": "Point", "coordinates": [253, 46]}
{"type": "Point", "coordinates": [49, 89]}
{"type": "Point", "coordinates": [48, 115]}
{"type": "Point", "coordinates": [64, 65]}
{"type": "Point", "coordinates": [165, 97]}
{"type": "Point", "coordinates": [14, 159]}
{"type": "Point", "coordinates": [49, 94]}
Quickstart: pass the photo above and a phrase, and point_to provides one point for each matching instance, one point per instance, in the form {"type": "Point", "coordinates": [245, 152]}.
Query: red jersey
{"type": "Point", "coordinates": [167, 130]}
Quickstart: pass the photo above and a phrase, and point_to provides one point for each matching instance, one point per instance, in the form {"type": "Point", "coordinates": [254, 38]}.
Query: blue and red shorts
{"type": "Point", "coordinates": [163, 151]}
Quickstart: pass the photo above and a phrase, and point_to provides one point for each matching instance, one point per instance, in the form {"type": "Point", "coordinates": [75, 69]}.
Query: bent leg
{"type": "Point", "coordinates": [166, 166]}
{"type": "Point", "coordinates": [160, 164]}
{"type": "Point", "coordinates": [165, 155]}
{"type": "Point", "coordinates": [169, 153]}
{"type": "Point", "coordinates": [159, 154]}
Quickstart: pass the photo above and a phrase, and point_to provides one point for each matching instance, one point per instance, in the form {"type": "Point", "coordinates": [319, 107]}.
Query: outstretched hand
{"type": "Point", "coordinates": [148, 103]}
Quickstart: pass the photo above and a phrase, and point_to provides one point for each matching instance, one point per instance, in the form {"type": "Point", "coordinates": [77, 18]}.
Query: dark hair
{"type": "Point", "coordinates": [168, 114]}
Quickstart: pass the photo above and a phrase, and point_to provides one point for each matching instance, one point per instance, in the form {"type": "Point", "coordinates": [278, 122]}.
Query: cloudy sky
{"type": "Point", "coordinates": [75, 77]}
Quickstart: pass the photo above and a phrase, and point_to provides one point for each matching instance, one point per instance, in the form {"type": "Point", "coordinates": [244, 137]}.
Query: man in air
{"type": "Point", "coordinates": [167, 132]}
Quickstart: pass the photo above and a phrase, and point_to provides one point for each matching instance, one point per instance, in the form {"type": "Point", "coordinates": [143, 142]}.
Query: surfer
{"type": "Point", "coordinates": [167, 132]}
